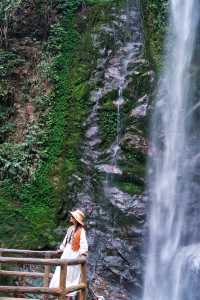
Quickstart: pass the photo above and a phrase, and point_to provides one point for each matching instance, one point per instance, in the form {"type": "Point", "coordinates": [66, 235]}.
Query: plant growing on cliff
{"type": "Point", "coordinates": [155, 19]}
{"type": "Point", "coordinates": [7, 10]}
{"type": "Point", "coordinates": [9, 61]}
{"type": "Point", "coordinates": [39, 187]}
{"type": "Point", "coordinates": [37, 175]}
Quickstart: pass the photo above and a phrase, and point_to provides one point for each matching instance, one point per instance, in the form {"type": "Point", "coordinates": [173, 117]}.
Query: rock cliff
{"type": "Point", "coordinates": [75, 93]}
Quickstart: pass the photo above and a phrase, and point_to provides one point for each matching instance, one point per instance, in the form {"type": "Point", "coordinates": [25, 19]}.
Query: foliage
{"type": "Point", "coordinates": [52, 144]}
{"type": "Point", "coordinates": [108, 123]}
{"type": "Point", "coordinates": [94, 2]}
{"type": "Point", "coordinates": [37, 175]}
{"type": "Point", "coordinates": [8, 62]}
{"type": "Point", "coordinates": [7, 9]}
{"type": "Point", "coordinates": [6, 127]}
{"type": "Point", "coordinates": [16, 221]}
{"type": "Point", "coordinates": [131, 188]}
{"type": "Point", "coordinates": [16, 160]}
{"type": "Point", "coordinates": [155, 19]}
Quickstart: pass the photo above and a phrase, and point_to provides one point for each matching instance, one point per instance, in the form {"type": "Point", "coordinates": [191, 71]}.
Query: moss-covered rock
{"type": "Point", "coordinates": [85, 143]}
{"type": "Point", "coordinates": [59, 86]}
{"type": "Point", "coordinates": [132, 187]}
{"type": "Point", "coordinates": [108, 118]}
{"type": "Point", "coordinates": [155, 20]}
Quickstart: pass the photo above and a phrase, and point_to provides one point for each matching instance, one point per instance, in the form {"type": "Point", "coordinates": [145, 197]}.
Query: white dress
{"type": "Point", "coordinates": [73, 272]}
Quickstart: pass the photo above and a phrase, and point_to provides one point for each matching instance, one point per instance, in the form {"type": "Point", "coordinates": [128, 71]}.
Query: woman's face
{"type": "Point", "coordinates": [72, 220]}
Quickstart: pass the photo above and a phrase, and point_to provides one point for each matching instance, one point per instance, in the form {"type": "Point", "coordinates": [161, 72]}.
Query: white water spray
{"type": "Point", "coordinates": [171, 174]}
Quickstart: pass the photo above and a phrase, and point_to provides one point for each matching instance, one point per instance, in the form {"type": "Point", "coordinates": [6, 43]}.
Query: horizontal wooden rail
{"type": "Point", "coordinates": [42, 258]}
{"type": "Point", "coordinates": [41, 261]}
{"type": "Point", "coordinates": [77, 287]}
{"type": "Point", "coordinates": [42, 290]}
{"type": "Point", "coordinates": [23, 274]}
{"type": "Point", "coordinates": [33, 290]}
{"type": "Point", "coordinates": [13, 298]}
{"type": "Point", "coordinates": [34, 253]}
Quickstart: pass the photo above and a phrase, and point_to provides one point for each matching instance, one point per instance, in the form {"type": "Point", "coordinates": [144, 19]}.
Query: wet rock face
{"type": "Point", "coordinates": [110, 187]}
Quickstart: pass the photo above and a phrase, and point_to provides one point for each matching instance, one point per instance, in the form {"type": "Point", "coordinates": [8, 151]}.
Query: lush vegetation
{"type": "Point", "coordinates": [36, 173]}
{"type": "Point", "coordinates": [49, 72]}
{"type": "Point", "coordinates": [155, 18]}
{"type": "Point", "coordinates": [7, 10]}
{"type": "Point", "coordinates": [32, 200]}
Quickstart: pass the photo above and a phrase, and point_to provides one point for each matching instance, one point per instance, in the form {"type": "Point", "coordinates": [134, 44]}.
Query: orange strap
{"type": "Point", "coordinates": [75, 243]}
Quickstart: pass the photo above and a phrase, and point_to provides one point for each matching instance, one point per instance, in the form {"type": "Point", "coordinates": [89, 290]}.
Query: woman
{"type": "Point", "coordinates": [74, 245]}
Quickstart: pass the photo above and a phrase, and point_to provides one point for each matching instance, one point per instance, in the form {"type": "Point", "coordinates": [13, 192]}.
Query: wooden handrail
{"type": "Point", "coordinates": [61, 292]}
{"type": "Point", "coordinates": [34, 253]}
{"type": "Point", "coordinates": [33, 290]}
{"type": "Point", "coordinates": [23, 274]}
{"type": "Point", "coordinates": [41, 261]}
{"type": "Point", "coordinates": [42, 290]}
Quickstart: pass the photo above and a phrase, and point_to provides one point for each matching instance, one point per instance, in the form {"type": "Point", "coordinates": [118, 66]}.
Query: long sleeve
{"type": "Point", "coordinates": [83, 243]}
{"type": "Point", "coordinates": [62, 245]}
{"type": "Point", "coordinates": [67, 237]}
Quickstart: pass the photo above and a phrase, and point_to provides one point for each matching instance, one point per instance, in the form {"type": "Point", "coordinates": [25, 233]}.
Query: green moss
{"type": "Point", "coordinates": [39, 199]}
{"type": "Point", "coordinates": [108, 118]}
{"type": "Point", "coordinates": [95, 2]}
{"type": "Point", "coordinates": [133, 163]}
{"type": "Point", "coordinates": [139, 85]}
{"type": "Point", "coordinates": [109, 97]}
{"type": "Point", "coordinates": [108, 125]}
{"type": "Point", "coordinates": [37, 204]}
{"type": "Point", "coordinates": [155, 19]}
{"type": "Point", "coordinates": [15, 219]}
{"type": "Point", "coordinates": [32, 207]}
{"type": "Point", "coordinates": [132, 188]}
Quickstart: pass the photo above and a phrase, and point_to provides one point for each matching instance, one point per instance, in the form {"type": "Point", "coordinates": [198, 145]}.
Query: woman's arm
{"type": "Point", "coordinates": [83, 243]}
{"type": "Point", "coordinates": [67, 236]}
{"type": "Point", "coordinates": [63, 244]}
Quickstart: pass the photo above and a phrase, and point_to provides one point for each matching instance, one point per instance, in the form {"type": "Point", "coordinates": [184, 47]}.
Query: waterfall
{"type": "Point", "coordinates": [174, 160]}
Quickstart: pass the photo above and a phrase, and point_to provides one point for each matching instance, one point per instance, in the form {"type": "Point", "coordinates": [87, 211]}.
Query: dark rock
{"type": "Point", "coordinates": [112, 178]}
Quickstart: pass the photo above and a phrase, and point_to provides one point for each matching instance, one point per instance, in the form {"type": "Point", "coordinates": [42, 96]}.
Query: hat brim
{"type": "Point", "coordinates": [77, 219]}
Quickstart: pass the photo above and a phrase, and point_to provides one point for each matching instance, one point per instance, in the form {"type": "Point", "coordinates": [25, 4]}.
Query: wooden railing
{"type": "Point", "coordinates": [10, 256]}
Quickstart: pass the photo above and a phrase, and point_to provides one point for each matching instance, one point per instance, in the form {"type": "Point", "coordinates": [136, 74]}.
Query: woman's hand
{"type": "Point", "coordinates": [83, 255]}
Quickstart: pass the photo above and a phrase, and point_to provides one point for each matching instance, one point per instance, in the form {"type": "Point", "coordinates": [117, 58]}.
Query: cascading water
{"type": "Point", "coordinates": [118, 103]}
{"type": "Point", "coordinates": [172, 168]}
{"type": "Point", "coordinates": [115, 216]}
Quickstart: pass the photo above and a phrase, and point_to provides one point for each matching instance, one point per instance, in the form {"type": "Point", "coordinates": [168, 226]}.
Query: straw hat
{"type": "Point", "coordinates": [78, 216]}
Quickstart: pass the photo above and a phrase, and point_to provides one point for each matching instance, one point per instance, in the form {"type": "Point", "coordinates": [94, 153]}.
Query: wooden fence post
{"type": "Point", "coordinates": [46, 276]}
{"type": "Point", "coordinates": [61, 291]}
{"type": "Point", "coordinates": [1, 254]}
{"type": "Point", "coordinates": [83, 293]}
{"type": "Point", "coordinates": [63, 276]}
